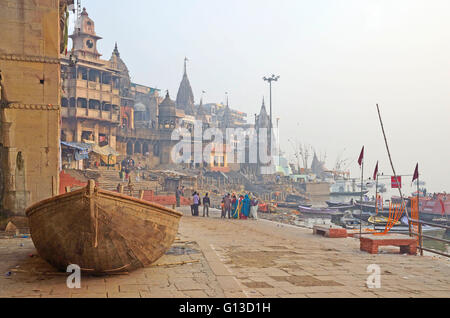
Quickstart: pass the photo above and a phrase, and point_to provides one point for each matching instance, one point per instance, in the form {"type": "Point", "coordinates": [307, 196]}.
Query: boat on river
{"type": "Point", "coordinates": [317, 212]}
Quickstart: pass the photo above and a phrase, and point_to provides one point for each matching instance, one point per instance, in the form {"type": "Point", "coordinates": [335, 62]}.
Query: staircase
{"type": "Point", "coordinates": [109, 180]}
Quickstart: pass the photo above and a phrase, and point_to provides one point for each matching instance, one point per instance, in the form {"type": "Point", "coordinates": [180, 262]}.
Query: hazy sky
{"type": "Point", "coordinates": [336, 59]}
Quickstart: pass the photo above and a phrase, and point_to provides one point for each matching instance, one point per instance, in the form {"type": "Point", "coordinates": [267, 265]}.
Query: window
{"type": "Point", "coordinates": [89, 44]}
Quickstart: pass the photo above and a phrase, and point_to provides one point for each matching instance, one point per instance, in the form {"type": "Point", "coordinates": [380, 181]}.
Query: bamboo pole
{"type": "Point", "coordinates": [392, 165]}
{"type": "Point", "coordinates": [360, 212]}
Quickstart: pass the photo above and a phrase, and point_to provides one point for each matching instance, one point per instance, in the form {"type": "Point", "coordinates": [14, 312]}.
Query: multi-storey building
{"type": "Point", "coordinates": [91, 91]}
{"type": "Point", "coordinates": [101, 106]}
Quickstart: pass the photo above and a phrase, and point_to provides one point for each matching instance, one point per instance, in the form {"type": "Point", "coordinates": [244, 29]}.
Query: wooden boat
{"type": "Point", "coordinates": [332, 204]}
{"type": "Point", "coordinates": [317, 212]}
{"type": "Point", "coordinates": [348, 221]}
{"type": "Point", "coordinates": [381, 221]}
{"type": "Point", "coordinates": [369, 207]}
{"type": "Point", "coordinates": [101, 231]}
{"type": "Point", "coordinates": [291, 205]}
{"type": "Point", "coordinates": [364, 216]}
{"type": "Point", "coordinates": [349, 193]}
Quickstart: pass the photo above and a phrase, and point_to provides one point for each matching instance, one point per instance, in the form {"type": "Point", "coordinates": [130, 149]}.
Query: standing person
{"type": "Point", "coordinates": [130, 187]}
{"type": "Point", "coordinates": [127, 173]}
{"type": "Point", "coordinates": [121, 175]}
{"type": "Point", "coordinates": [254, 208]}
{"type": "Point", "coordinates": [177, 196]}
{"type": "Point", "coordinates": [196, 203]}
{"type": "Point", "coordinates": [245, 207]}
{"type": "Point", "coordinates": [222, 208]}
{"type": "Point", "coordinates": [227, 206]}
{"type": "Point", "coordinates": [206, 204]}
{"type": "Point", "coordinates": [234, 207]}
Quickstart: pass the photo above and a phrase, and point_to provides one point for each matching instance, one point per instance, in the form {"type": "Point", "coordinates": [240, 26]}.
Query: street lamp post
{"type": "Point", "coordinates": [272, 78]}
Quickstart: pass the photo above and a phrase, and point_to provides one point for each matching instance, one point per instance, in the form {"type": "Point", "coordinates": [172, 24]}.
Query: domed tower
{"type": "Point", "coordinates": [185, 96]}
{"type": "Point", "coordinates": [167, 113]}
{"type": "Point", "coordinates": [84, 38]}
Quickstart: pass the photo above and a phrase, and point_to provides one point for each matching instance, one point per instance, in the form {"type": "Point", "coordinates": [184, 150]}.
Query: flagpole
{"type": "Point", "coordinates": [376, 194]}
{"type": "Point", "coordinates": [418, 194]}
{"type": "Point", "coordinates": [360, 212]}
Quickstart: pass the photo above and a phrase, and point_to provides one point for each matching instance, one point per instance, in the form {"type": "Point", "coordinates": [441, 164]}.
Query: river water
{"type": "Point", "coordinates": [407, 190]}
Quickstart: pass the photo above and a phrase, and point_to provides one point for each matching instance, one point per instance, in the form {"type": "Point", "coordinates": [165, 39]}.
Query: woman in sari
{"type": "Point", "coordinates": [245, 207]}
{"type": "Point", "coordinates": [234, 206]}
{"type": "Point", "coordinates": [239, 206]}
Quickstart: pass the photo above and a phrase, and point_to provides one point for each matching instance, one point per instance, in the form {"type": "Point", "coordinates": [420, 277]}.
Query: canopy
{"type": "Point", "coordinates": [104, 151]}
{"type": "Point", "coordinates": [81, 149]}
{"type": "Point", "coordinates": [107, 154]}
{"type": "Point", "coordinates": [77, 145]}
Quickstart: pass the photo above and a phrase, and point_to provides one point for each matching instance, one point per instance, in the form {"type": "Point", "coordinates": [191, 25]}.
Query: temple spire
{"type": "Point", "coordinates": [185, 63]}
{"type": "Point", "coordinates": [185, 96]}
{"type": "Point", "coordinates": [116, 50]}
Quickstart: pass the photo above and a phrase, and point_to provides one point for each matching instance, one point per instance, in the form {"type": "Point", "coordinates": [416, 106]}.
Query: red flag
{"type": "Point", "coordinates": [443, 207]}
{"type": "Point", "coordinates": [375, 173]}
{"type": "Point", "coordinates": [396, 183]}
{"type": "Point", "coordinates": [361, 156]}
{"type": "Point", "coordinates": [416, 173]}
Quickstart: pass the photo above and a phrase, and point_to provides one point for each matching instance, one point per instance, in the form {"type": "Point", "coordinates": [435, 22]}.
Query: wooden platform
{"type": "Point", "coordinates": [329, 231]}
{"type": "Point", "coordinates": [370, 243]}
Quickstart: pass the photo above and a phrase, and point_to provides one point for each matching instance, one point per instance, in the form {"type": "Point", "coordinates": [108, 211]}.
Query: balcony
{"type": "Point", "coordinates": [139, 133]}
{"type": "Point", "coordinates": [107, 116]}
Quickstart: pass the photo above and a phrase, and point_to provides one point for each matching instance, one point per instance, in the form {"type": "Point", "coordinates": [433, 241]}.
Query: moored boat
{"type": "Point", "coordinates": [318, 212]}
{"type": "Point", "coordinates": [101, 231]}
{"type": "Point", "coordinates": [381, 221]}
{"type": "Point", "coordinates": [332, 204]}
{"type": "Point", "coordinates": [291, 205]}
{"type": "Point", "coordinates": [349, 193]}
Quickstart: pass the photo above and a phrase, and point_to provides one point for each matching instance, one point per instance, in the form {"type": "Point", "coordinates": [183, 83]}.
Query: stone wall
{"type": "Point", "coordinates": [30, 112]}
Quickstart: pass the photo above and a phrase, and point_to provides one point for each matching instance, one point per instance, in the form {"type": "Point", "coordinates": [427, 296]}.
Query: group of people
{"type": "Point", "coordinates": [239, 207]}
{"type": "Point", "coordinates": [232, 206]}
{"type": "Point", "coordinates": [127, 165]}
{"type": "Point", "coordinates": [197, 202]}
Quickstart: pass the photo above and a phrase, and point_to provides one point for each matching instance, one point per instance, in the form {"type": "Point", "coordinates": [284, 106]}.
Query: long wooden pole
{"type": "Point", "coordinates": [360, 212]}
{"type": "Point", "coordinates": [418, 214]}
{"type": "Point", "coordinates": [376, 194]}
{"type": "Point", "coordinates": [392, 165]}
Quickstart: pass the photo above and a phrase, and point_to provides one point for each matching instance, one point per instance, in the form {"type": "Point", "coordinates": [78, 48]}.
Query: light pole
{"type": "Point", "coordinates": [272, 78]}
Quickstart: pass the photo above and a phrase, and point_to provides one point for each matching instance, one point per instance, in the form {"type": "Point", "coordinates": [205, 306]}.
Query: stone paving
{"type": "Point", "coordinates": [213, 257]}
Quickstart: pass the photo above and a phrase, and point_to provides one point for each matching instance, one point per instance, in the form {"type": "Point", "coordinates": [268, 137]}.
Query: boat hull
{"type": "Point", "coordinates": [356, 193]}
{"type": "Point", "coordinates": [101, 231]}
{"type": "Point", "coordinates": [318, 212]}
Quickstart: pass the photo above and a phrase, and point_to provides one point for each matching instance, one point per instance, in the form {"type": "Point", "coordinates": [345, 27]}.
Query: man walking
{"type": "Point", "coordinates": [206, 204]}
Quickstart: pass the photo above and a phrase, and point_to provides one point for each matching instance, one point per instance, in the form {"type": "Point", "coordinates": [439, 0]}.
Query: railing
{"type": "Point", "coordinates": [421, 236]}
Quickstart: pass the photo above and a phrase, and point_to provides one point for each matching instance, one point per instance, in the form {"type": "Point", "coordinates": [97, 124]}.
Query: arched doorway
{"type": "Point", "coordinates": [138, 147]}
{"type": "Point", "coordinates": [130, 148]}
